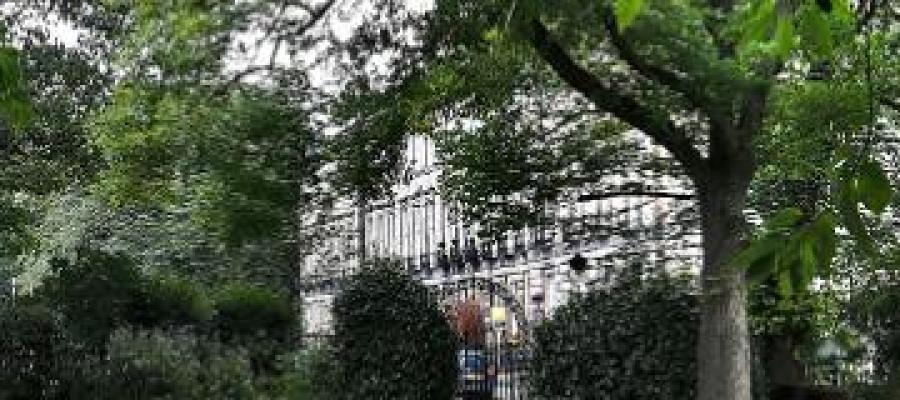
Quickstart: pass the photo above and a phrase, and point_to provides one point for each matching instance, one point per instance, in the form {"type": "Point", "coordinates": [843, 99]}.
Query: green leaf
{"type": "Point", "coordinates": [758, 23]}
{"type": "Point", "coordinates": [784, 283]}
{"type": "Point", "coordinates": [492, 35]}
{"type": "Point", "coordinates": [791, 252]}
{"type": "Point", "coordinates": [9, 68]}
{"type": "Point", "coordinates": [784, 218]}
{"type": "Point", "coordinates": [757, 250]}
{"type": "Point", "coordinates": [784, 35]}
{"type": "Point", "coordinates": [842, 9]}
{"type": "Point", "coordinates": [825, 240]}
{"type": "Point", "coordinates": [18, 111]}
{"type": "Point", "coordinates": [14, 103]}
{"type": "Point", "coordinates": [815, 28]}
{"type": "Point", "coordinates": [626, 11]}
{"type": "Point", "coordinates": [760, 269]}
{"type": "Point", "coordinates": [809, 264]}
{"type": "Point", "coordinates": [873, 187]}
{"type": "Point", "coordinates": [763, 255]}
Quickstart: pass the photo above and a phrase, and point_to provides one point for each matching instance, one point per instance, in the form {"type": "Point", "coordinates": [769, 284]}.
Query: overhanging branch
{"type": "Point", "coordinates": [280, 31]}
{"type": "Point", "coordinates": [636, 193]}
{"type": "Point", "coordinates": [659, 127]}
{"type": "Point", "coordinates": [694, 93]}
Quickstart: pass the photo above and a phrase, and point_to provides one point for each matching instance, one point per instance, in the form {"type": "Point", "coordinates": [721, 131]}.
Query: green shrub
{"type": "Point", "coordinates": [635, 340]}
{"type": "Point", "coordinates": [98, 292]}
{"type": "Point", "coordinates": [169, 301]}
{"type": "Point", "coordinates": [391, 340]}
{"type": "Point", "coordinates": [248, 312]}
{"type": "Point", "coordinates": [169, 365]}
{"type": "Point", "coordinates": [30, 352]}
{"type": "Point", "coordinates": [304, 374]}
{"type": "Point", "coordinates": [95, 292]}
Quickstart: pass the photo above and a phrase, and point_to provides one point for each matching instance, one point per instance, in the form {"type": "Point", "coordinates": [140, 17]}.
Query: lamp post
{"type": "Point", "coordinates": [577, 265]}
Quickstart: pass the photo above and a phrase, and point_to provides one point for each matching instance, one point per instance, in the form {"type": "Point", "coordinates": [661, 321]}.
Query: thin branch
{"type": "Point", "coordinates": [277, 46]}
{"type": "Point", "coordinates": [637, 193]}
{"type": "Point", "coordinates": [314, 18]}
{"type": "Point", "coordinates": [253, 69]}
{"type": "Point", "coordinates": [626, 108]}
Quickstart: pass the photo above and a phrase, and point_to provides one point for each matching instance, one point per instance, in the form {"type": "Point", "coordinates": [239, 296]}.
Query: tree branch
{"type": "Point", "coordinates": [314, 18]}
{"type": "Point", "coordinates": [278, 33]}
{"type": "Point", "coordinates": [694, 93]}
{"type": "Point", "coordinates": [636, 193]}
{"type": "Point", "coordinates": [629, 110]}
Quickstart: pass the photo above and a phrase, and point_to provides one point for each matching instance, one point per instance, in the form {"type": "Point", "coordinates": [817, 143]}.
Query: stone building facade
{"type": "Point", "coordinates": [633, 216]}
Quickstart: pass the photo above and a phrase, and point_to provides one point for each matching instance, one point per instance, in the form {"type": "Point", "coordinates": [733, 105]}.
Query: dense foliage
{"type": "Point", "coordinates": [633, 340]}
{"type": "Point", "coordinates": [101, 328]}
{"type": "Point", "coordinates": [154, 365]}
{"type": "Point", "coordinates": [246, 311]}
{"type": "Point", "coordinates": [36, 353]}
{"type": "Point", "coordinates": [98, 292]}
{"type": "Point", "coordinates": [390, 339]}
{"type": "Point", "coordinates": [95, 293]}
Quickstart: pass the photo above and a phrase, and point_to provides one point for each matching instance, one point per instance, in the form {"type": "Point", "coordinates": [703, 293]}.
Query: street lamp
{"type": "Point", "coordinates": [498, 314]}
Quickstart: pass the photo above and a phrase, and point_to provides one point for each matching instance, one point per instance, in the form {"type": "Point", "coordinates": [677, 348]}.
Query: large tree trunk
{"type": "Point", "coordinates": [723, 351]}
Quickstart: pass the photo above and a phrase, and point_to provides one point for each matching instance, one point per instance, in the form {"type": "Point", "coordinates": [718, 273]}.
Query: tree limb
{"type": "Point", "coordinates": [278, 33]}
{"type": "Point", "coordinates": [659, 127]}
{"type": "Point", "coordinates": [637, 193]}
{"type": "Point", "coordinates": [314, 18]}
{"type": "Point", "coordinates": [694, 93]}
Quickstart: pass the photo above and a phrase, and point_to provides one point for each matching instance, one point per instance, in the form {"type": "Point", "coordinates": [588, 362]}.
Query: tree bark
{"type": "Point", "coordinates": [723, 349]}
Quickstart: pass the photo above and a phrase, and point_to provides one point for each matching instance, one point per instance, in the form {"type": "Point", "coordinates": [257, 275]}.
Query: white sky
{"type": "Point", "coordinates": [341, 21]}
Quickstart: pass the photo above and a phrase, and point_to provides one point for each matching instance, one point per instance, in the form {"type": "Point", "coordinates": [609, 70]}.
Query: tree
{"type": "Point", "coordinates": [43, 141]}
{"type": "Point", "coordinates": [696, 78]}
{"type": "Point", "coordinates": [191, 154]}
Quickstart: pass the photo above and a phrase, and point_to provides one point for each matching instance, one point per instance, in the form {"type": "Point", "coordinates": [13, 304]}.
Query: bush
{"type": "Point", "coordinates": [874, 312]}
{"type": "Point", "coordinates": [248, 312]}
{"type": "Point", "coordinates": [98, 292]}
{"type": "Point", "coordinates": [305, 375]}
{"type": "Point", "coordinates": [391, 340]}
{"type": "Point", "coordinates": [31, 352]}
{"type": "Point", "coordinates": [168, 365]}
{"type": "Point", "coordinates": [170, 301]}
{"type": "Point", "coordinates": [95, 292]}
{"type": "Point", "coordinates": [636, 340]}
